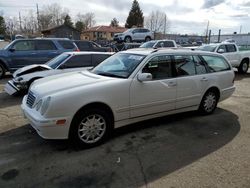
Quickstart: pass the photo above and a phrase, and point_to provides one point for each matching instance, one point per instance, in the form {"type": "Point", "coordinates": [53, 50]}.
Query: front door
{"type": "Point", "coordinates": [22, 53]}
{"type": "Point", "coordinates": [157, 95]}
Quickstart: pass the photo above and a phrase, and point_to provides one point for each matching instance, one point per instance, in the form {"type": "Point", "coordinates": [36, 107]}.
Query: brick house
{"type": "Point", "coordinates": [101, 32]}
{"type": "Point", "coordinates": [62, 31]}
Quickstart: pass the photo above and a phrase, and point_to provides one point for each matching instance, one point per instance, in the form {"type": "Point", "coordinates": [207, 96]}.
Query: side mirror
{"type": "Point", "coordinates": [142, 77]}
{"type": "Point", "coordinates": [12, 49]}
{"type": "Point", "coordinates": [221, 51]}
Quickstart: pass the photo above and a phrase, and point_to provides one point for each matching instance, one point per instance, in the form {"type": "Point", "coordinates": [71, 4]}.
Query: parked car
{"type": "Point", "coordinates": [23, 52]}
{"type": "Point", "coordinates": [125, 46]}
{"type": "Point", "coordinates": [159, 44]}
{"type": "Point", "coordinates": [128, 87]}
{"type": "Point", "coordinates": [236, 58]}
{"type": "Point", "coordinates": [84, 45]}
{"type": "Point", "coordinates": [134, 35]}
{"type": "Point", "coordinates": [66, 62]}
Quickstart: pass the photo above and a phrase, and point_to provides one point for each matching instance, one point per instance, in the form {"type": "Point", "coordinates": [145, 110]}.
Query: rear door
{"type": "Point", "coordinates": [45, 50]}
{"type": "Point", "coordinates": [22, 53]}
{"type": "Point", "coordinates": [192, 80]}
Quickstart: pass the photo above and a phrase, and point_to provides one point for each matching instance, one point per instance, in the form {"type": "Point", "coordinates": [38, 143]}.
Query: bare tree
{"type": "Point", "coordinates": [87, 19]}
{"type": "Point", "coordinates": [157, 21]}
{"type": "Point", "coordinates": [29, 24]}
{"type": "Point", "coordinates": [11, 25]}
{"type": "Point", "coordinates": [52, 15]}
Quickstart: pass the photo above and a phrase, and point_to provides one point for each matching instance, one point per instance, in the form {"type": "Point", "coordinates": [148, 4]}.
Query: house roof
{"type": "Point", "coordinates": [103, 28]}
{"type": "Point", "coordinates": [59, 26]}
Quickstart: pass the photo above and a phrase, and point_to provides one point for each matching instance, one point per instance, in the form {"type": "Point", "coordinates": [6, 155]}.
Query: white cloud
{"type": "Point", "coordinates": [186, 16]}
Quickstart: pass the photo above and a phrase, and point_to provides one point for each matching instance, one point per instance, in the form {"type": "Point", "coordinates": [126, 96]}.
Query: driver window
{"type": "Point", "coordinates": [222, 47]}
{"type": "Point", "coordinates": [24, 46]}
{"type": "Point", "coordinates": [159, 67]}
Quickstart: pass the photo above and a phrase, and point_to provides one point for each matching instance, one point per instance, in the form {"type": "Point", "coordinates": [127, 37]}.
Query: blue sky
{"type": "Point", "coordinates": [185, 16]}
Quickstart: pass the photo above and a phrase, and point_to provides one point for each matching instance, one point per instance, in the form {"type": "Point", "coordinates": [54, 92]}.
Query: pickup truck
{"type": "Point", "coordinates": [23, 52]}
{"type": "Point", "coordinates": [238, 59]}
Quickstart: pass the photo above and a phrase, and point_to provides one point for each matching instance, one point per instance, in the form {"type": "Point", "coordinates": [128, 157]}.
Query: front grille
{"type": "Point", "coordinates": [30, 99]}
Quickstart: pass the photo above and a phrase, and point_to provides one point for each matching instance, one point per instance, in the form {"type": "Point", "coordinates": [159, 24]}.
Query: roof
{"type": "Point", "coordinates": [103, 28]}
{"type": "Point", "coordinates": [88, 52]}
{"type": "Point", "coordinates": [57, 27]}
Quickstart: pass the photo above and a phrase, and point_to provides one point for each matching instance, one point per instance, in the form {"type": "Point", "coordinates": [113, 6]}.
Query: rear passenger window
{"type": "Point", "coordinates": [78, 61]}
{"type": "Point", "coordinates": [66, 44]}
{"type": "Point", "coordinates": [199, 65]}
{"type": "Point", "coordinates": [216, 64]}
{"type": "Point", "coordinates": [45, 45]}
{"type": "Point", "coordinates": [184, 65]}
{"type": "Point", "coordinates": [159, 67]}
{"type": "Point", "coordinates": [98, 58]}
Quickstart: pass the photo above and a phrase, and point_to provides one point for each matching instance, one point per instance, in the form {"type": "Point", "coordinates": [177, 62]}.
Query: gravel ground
{"type": "Point", "coordinates": [184, 150]}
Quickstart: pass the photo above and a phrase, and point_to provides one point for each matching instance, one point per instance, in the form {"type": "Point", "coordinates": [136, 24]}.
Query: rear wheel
{"type": "Point", "coordinates": [208, 102]}
{"type": "Point", "coordinates": [2, 71]}
{"type": "Point", "coordinates": [243, 68]}
{"type": "Point", "coordinates": [147, 39]}
{"type": "Point", "coordinates": [90, 127]}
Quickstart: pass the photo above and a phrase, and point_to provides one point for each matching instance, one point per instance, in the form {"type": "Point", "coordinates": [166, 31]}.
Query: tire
{"type": "Point", "coordinates": [2, 71]}
{"type": "Point", "coordinates": [127, 39]}
{"type": "Point", "coordinates": [147, 39]}
{"type": "Point", "coordinates": [85, 132]}
{"type": "Point", "coordinates": [209, 102]}
{"type": "Point", "coordinates": [244, 65]}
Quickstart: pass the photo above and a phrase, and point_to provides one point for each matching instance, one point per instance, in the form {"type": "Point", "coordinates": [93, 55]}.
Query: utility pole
{"type": "Point", "coordinates": [165, 25]}
{"type": "Point", "coordinates": [38, 17]}
{"type": "Point", "coordinates": [240, 28]}
{"type": "Point", "coordinates": [207, 31]}
{"type": "Point", "coordinates": [20, 22]}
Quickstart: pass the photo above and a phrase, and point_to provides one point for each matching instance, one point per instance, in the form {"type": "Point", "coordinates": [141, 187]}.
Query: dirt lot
{"type": "Point", "coordinates": [184, 150]}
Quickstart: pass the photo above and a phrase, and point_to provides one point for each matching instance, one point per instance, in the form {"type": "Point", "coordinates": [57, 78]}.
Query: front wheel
{"type": "Point", "coordinates": [90, 127]}
{"type": "Point", "coordinates": [147, 39]}
{"type": "Point", "coordinates": [243, 68]}
{"type": "Point", "coordinates": [2, 71]}
{"type": "Point", "coordinates": [128, 39]}
{"type": "Point", "coordinates": [208, 102]}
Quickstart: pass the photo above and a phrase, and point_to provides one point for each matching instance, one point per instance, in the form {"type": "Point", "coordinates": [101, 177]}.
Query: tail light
{"type": "Point", "coordinates": [110, 50]}
{"type": "Point", "coordinates": [77, 50]}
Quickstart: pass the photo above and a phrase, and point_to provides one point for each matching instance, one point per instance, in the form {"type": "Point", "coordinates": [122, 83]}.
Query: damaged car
{"type": "Point", "coordinates": [66, 62]}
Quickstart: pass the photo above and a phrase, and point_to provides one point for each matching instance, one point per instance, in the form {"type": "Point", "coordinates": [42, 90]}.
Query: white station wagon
{"type": "Point", "coordinates": [128, 87]}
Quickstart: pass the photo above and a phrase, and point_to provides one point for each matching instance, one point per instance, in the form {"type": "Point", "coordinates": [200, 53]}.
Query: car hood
{"type": "Point", "coordinates": [30, 69]}
{"type": "Point", "coordinates": [62, 82]}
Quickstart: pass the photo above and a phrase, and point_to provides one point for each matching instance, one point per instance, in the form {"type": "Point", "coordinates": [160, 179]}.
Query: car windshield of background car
{"type": "Point", "coordinates": [149, 44]}
{"type": "Point", "coordinates": [55, 62]}
{"type": "Point", "coordinates": [208, 48]}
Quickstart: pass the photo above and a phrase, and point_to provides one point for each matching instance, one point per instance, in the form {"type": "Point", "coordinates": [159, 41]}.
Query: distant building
{"type": "Point", "coordinates": [240, 39]}
{"type": "Point", "coordinates": [62, 31]}
{"type": "Point", "coordinates": [101, 33]}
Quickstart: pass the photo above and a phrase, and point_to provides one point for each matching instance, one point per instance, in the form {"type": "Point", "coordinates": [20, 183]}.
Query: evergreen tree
{"type": "Point", "coordinates": [67, 21]}
{"type": "Point", "coordinates": [135, 17]}
{"type": "Point", "coordinates": [2, 26]}
{"type": "Point", "coordinates": [80, 26]}
{"type": "Point", "coordinates": [114, 22]}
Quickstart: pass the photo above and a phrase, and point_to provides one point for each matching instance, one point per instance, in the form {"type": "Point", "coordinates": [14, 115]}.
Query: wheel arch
{"type": "Point", "coordinates": [2, 62]}
{"type": "Point", "coordinates": [98, 105]}
{"type": "Point", "coordinates": [215, 89]}
{"type": "Point", "coordinates": [245, 59]}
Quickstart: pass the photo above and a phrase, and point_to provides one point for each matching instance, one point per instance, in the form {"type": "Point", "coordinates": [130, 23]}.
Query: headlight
{"type": "Point", "coordinates": [38, 105]}
{"type": "Point", "coordinates": [45, 105]}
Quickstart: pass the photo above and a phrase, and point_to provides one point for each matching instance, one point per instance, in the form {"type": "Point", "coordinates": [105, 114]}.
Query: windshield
{"type": "Point", "coordinates": [208, 48]}
{"type": "Point", "coordinates": [149, 44]}
{"type": "Point", "coordinates": [55, 62]}
{"type": "Point", "coordinates": [120, 65]}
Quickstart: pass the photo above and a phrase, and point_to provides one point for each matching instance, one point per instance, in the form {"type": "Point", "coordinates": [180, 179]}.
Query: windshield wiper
{"type": "Point", "coordinates": [110, 74]}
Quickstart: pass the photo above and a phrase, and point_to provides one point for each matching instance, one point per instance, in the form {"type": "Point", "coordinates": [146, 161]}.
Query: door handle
{"type": "Point", "coordinates": [172, 84]}
{"type": "Point", "coordinates": [204, 79]}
